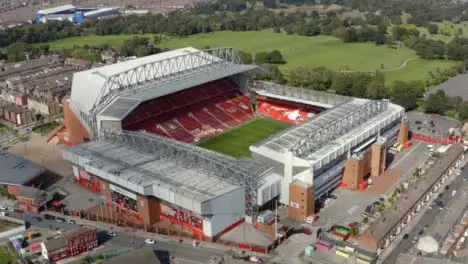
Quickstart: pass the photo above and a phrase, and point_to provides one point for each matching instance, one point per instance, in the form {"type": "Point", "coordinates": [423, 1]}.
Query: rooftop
{"type": "Point", "coordinates": [16, 170]}
{"type": "Point", "coordinates": [144, 169]}
{"type": "Point", "coordinates": [55, 243]}
{"type": "Point", "coordinates": [149, 77]}
{"type": "Point", "coordinates": [39, 197]}
{"type": "Point", "coordinates": [142, 255]}
{"type": "Point", "coordinates": [56, 9]}
{"type": "Point", "coordinates": [391, 217]}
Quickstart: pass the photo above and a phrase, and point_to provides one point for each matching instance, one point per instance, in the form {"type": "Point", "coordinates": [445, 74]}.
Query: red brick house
{"type": "Point", "coordinates": [69, 244]}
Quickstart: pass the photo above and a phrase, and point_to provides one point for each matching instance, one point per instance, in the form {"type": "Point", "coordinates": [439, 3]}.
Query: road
{"type": "Point", "coordinates": [182, 252]}
{"type": "Point", "coordinates": [428, 218]}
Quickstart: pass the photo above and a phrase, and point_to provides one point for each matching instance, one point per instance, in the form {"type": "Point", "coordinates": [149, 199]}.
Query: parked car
{"type": "Point", "coordinates": [71, 221]}
{"type": "Point", "coordinates": [255, 259]}
{"type": "Point", "coordinates": [3, 207]}
{"type": "Point", "coordinates": [149, 241]}
{"type": "Point", "coordinates": [49, 217]}
{"type": "Point", "coordinates": [60, 219]}
{"type": "Point", "coordinates": [332, 196]}
{"type": "Point", "coordinates": [37, 218]}
{"type": "Point", "coordinates": [113, 234]}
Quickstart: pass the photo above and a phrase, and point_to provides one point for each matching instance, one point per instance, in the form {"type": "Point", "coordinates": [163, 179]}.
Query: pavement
{"type": "Point", "coordinates": [425, 217]}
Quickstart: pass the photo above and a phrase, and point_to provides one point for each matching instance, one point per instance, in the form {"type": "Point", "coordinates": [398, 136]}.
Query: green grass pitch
{"type": "Point", "coordinates": [236, 142]}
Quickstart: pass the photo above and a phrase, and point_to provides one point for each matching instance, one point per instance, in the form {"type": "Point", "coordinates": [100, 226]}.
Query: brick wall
{"type": "Point", "coordinates": [77, 133]}
{"type": "Point", "coordinates": [301, 201]}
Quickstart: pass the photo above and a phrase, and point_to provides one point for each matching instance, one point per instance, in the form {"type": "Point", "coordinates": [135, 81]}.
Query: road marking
{"type": "Point", "coordinates": [404, 156]}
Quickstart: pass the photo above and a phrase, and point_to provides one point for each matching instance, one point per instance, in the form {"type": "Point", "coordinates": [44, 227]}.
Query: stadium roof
{"type": "Point", "coordinates": [136, 170]}
{"type": "Point", "coordinates": [54, 10]}
{"type": "Point", "coordinates": [330, 133]}
{"type": "Point", "coordinates": [16, 170]}
{"type": "Point", "coordinates": [148, 77]}
{"type": "Point", "coordinates": [392, 217]}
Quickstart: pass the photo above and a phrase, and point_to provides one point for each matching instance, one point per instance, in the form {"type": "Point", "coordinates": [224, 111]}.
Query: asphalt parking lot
{"type": "Point", "coordinates": [421, 123]}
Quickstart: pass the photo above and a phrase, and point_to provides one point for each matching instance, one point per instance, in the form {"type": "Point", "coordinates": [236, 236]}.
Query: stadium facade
{"type": "Point", "coordinates": [132, 130]}
{"type": "Point", "coordinates": [73, 14]}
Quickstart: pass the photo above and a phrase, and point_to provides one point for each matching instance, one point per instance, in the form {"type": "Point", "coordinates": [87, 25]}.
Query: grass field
{"type": "Point", "coordinates": [319, 51]}
{"type": "Point", "coordinates": [236, 141]}
{"type": "Point", "coordinates": [91, 40]}
{"type": "Point", "coordinates": [417, 70]}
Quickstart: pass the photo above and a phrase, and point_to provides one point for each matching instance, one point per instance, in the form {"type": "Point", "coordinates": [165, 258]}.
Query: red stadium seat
{"type": "Point", "coordinates": [284, 111]}
{"type": "Point", "coordinates": [192, 114]}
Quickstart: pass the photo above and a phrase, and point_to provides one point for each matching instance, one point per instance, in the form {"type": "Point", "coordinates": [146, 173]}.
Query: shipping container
{"type": "Point", "coordinates": [342, 254]}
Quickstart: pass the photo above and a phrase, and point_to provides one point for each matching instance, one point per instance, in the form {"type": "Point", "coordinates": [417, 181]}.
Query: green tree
{"type": "Point", "coordinates": [463, 113]}
{"type": "Point", "coordinates": [436, 103]}
{"type": "Point", "coordinates": [407, 94]}
{"type": "Point", "coordinates": [276, 57]}
{"type": "Point", "coordinates": [245, 56]}
{"type": "Point", "coordinates": [261, 58]}
{"type": "Point", "coordinates": [376, 88]}
{"type": "Point", "coordinates": [433, 28]}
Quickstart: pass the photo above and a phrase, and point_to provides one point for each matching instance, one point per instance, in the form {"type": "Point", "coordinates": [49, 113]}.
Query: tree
{"type": "Point", "coordinates": [349, 35]}
{"type": "Point", "coordinates": [433, 28]}
{"type": "Point", "coordinates": [463, 113]}
{"type": "Point", "coordinates": [245, 56]}
{"type": "Point", "coordinates": [276, 57]}
{"type": "Point", "coordinates": [261, 58]}
{"type": "Point", "coordinates": [343, 84]}
{"type": "Point", "coordinates": [376, 88]}
{"type": "Point", "coordinates": [407, 94]}
{"type": "Point", "coordinates": [436, 103]}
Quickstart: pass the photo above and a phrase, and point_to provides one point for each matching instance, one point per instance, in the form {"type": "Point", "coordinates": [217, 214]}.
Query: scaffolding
{"type": "Point", "coordinates": [244, 172]}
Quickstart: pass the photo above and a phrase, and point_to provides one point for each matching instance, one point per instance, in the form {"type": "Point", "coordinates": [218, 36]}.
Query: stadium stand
{"type": "Point", "coordinates": [193, 114]}
{"type": "Point", "coordinates": [285, 111]}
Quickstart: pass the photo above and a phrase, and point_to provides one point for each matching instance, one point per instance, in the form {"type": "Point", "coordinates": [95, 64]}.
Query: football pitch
{"type": "Point", "coordinates": [236, 142]}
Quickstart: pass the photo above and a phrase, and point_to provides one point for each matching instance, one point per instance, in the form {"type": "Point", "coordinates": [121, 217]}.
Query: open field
{"type": "Point", "coordinates": [236, 141]}
{"type": "Point", "coordinates": [297, 50]}
{"type": "Point", "coordinates": [319, 51]}
{"type": "Point", "coordinates": [302, 51]}
{"type": "Point", "coordinates": [417, 70]}
{"type": "Point", "coordinates": [91, 40]}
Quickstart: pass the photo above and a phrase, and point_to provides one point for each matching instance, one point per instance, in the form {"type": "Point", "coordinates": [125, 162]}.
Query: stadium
{"type": "Point", "coordinates": [175, 137]}
{"type": "Point", "coordinates": [73, 14]}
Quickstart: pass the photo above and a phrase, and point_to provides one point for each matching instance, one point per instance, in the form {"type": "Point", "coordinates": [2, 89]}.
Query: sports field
{"type": "Point", "coordinates": [236, 141]}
